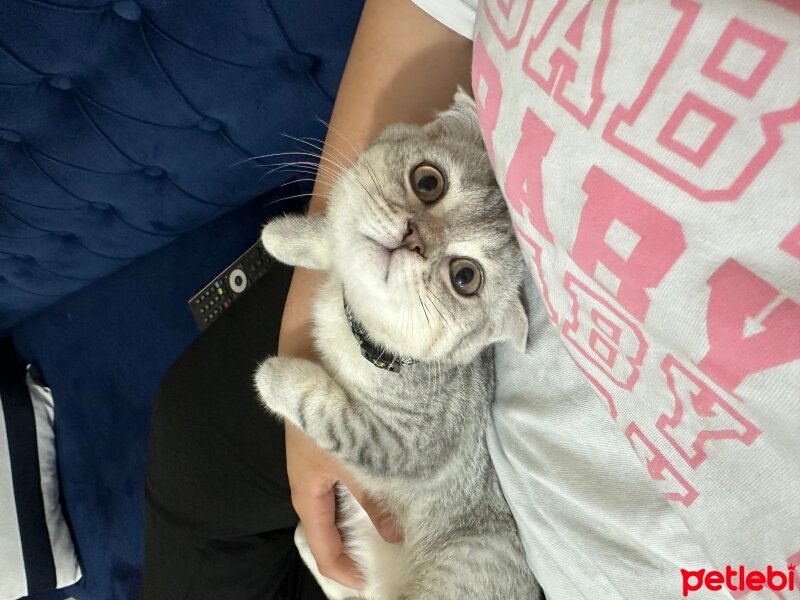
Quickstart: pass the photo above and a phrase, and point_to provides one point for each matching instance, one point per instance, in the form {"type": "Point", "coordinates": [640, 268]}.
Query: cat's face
{"type": "Point", "coordinates": [421, 239]}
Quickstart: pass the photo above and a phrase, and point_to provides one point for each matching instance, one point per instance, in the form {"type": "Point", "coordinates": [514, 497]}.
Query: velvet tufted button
{"type": "Point", "coordinates": [153, 171]}
{"type": "Point", "coordinates": [209, 124]}
{"type": "Point", "coordinates": [60, 82]}
{"type": "Point", "coordinates": [10, 136]}
{"type": "Point", "coordinates": [101, 206]}
{"type": "Point", "coordinates": [300, 63]}
{"type": "Point", "coordinates": [127, 9]}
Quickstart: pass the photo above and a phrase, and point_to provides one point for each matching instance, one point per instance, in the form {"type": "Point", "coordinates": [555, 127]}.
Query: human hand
{"type": "Point", "coordinates": [313, 474]}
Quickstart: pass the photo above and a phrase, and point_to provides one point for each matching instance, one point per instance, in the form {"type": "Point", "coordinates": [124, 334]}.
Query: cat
{"type": "Point", "coordinates": [424, 276]}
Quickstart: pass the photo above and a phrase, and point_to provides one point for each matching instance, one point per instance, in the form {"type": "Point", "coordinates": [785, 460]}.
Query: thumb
{"type": "Point", "coordinates": [384, 521]}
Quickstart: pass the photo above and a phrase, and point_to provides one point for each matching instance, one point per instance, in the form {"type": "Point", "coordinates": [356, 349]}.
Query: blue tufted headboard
{"type": "Point", "coordinates": [125, 123]}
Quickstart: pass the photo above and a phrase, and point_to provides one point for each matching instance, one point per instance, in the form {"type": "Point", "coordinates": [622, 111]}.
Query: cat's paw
{"type": "Point", "coordinates": [271, 385]}
{"type": "Point", "coordinates": [297, 390]}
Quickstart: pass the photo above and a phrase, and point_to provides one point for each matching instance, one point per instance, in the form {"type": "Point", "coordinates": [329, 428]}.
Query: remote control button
{"type": "Point", "coordinates": [237, 280]}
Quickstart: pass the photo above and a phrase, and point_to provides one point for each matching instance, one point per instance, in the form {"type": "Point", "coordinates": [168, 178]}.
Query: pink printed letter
{"type": "Point", "coordinates": [488, 93]}
{"type": "Point", "coordinates": [524, 177]}
{"type": "Point", "coordinates": [603, 335]}
{"type": "Point", "coordinates": [625, 242]}
{"type": "Point", "coordinates": [700, 415]}
{"type": "Point", "coordinates": [751, 327]}
{"type": "Point", "coordinates": [672, 483]}
{"type": "Point", "coordinates": [558, 61]}
{"type": "Point", "coordinates": [678, 127]}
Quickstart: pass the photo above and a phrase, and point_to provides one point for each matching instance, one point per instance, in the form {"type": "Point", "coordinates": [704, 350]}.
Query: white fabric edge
{"type": "Point", "coordinates": [65, 558]}
{"type": "Point", "coordinates": [13, 583]}
{"type": "Point", "coordinates": [456, 15]}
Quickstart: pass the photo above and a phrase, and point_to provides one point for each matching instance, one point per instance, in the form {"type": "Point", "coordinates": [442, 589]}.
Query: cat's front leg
{"type": "Point", "coordinates": [303, 393]}
{"type": "Point", "coordinates": [288, 386]}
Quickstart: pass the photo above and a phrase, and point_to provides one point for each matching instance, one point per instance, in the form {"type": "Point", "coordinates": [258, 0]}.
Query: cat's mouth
{"type": "Point", "coordinates": [392, 256]}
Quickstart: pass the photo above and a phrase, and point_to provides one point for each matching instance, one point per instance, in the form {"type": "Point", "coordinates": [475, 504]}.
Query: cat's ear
{"type": "Point", "coordinates": [460, 120]}
{"type": "Point", "coordinates": [298, 240]}
{"type": "Point", "coordinates": [513, 325]}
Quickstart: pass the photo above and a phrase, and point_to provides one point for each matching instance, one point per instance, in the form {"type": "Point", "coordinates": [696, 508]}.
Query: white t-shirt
{"type": "Point", "coordinates": [650, 156]}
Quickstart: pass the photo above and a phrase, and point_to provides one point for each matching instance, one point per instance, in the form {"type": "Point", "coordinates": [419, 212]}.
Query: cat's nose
{"type": "Point", "coordinates": [412, 240]}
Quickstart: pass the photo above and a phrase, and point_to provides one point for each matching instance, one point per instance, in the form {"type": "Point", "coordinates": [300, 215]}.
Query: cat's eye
{"type": "Point", "coordinates": [465, 276]}
{"type": "Point", "coordinates": [428, 183]}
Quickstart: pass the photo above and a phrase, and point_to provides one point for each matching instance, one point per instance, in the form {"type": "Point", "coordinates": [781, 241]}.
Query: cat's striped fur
{"type": "Point", "coordinates": [415, 439]}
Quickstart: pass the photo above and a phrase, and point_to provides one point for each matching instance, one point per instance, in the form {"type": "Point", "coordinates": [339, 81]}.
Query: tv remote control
{"type": "Point", "coordinates": [218, 296]}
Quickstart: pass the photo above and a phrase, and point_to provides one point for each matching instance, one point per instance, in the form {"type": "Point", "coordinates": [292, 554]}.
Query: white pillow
{"type": "Point", "coordinates": [36, 550]}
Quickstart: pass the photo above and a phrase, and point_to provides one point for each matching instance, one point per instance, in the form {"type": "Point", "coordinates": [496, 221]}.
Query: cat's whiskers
{"type": "Point", "coordinates": [341, 168]}
{"type": "Point", "coordinates": [420, 282]}
{"type": "Point", "coordinates": [289, 153]}
{"type": "Point", "coordinates": [291, 168]}
{"type": "Point", "coordinates": [312, 179]}
{"type": "Point", "coordinates": [333, 173]}
{"type": "Point", "coordinates": [335, 131]}
{"type": "Point", "coordinates": [329, 144]}
{"type": "Point", "coordinates": [300, 180]}
{"type": "Point", "coordinates": [335, 169]}
{"type": "Point", "coordinates": [323, 155]}
{"type": "Point", "coordinates": [383, 207]}
{"type": "Point", "coordinates": [425, 312]}
{"type": "Point", "coordinates": [444, 320]}
{"type": "Point", "coordinates": [429, 290]}
{"type": "Point", "coordinates": [304, 195]}
{"type": "Point", "coordinates": [432, 366]}
{"type": "Point", "coordinates": [374, 178]}
{"type": "Point", "coordinates": [380, 220]}
{"type": "Point", "coordinates": [307, 166]}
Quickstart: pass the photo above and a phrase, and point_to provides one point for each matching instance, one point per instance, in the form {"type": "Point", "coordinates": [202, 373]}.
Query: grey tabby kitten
{"type": "Point", "coordinates": [424, 275]}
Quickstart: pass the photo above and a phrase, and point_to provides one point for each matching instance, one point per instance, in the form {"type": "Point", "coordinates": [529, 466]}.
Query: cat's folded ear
{"type": "Point", "coordinates": [460, 120]}
{"type": "Point", "coordinates": [513, 325]}
{"type": "Point", "coordinates": [298, 240]}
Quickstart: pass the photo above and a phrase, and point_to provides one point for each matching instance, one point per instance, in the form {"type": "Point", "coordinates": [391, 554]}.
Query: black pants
{"type": "Point", "coordinates": [220, 522]}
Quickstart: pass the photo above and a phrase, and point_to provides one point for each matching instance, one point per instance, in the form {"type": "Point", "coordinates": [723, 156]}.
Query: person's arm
{"type": "Point", "coordinates": [403, 67]}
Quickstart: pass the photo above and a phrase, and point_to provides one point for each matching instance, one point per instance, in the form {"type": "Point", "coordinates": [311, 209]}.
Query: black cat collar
{"type": "Point", "coordinates": [379, 357]}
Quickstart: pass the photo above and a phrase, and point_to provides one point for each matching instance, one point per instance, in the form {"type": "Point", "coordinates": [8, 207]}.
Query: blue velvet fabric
{"type": "Point", "coordinates": [125, 129]}
{"type": "Point", "coordinates": [103, 352]}
{"type": "Point", "coordinates": [125, 123]}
